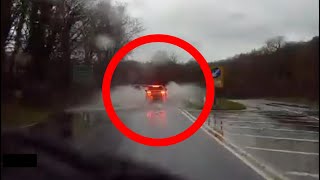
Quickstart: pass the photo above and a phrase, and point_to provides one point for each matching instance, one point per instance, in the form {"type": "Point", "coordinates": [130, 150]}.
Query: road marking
{"type": "Point", "coordinates": [303, 174]}
{"type": "Point", "coordinates": [314, 117]}
{"type": "Point", "coordinates": [261, 117]}
{"type": "Point", "coordinates": [272, 137]}
{"type": "Point", "coordinates": [297, 112]}
{"type": "Point", "coordinates": [274, 129]}
{"type": "Point", "coordinates": [255, 122]}
{"type": "Point", "coordinates": [218, 111]}
{"type": "Point", "coordinates": [87, 109]}
{"type": "Point", "coordinates": [297, 120]}
{"type": "Point", "coordinates": [253, 118]}
{"type": "Point", "coordinates": [84, 109]}
{"type": "Point", "coordinates": [283, 151]}
{"type": "Point", "coordinates": [29, 125]}
{"type": "Point", "coordinates": [191, 118]}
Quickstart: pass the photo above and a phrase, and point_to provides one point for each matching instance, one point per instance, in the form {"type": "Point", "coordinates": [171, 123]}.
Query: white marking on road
{"type": "Point", "coordinates": [85, 109]}
{"type": "Point", "coordinates": [29, 125]}
{"type": "Point", "coordinates": [303, 174]}
{"type": "Point", "coordinates": [297, 112]}
{"type": "Point", "coordinates": [296, 120]}
{"type": "Point", "coordinates": [90, 109]}
{"type": "Point", "coordinates": [244, 160]}
{"type": "Point", "coordinates": [272, 137]}
{"type": "Point", "coordinates": [261, 117]}
{"type": "Point", "coordinates": [274, 129]}
{"type": "Point", "coordinates": [257, 122]}
{"type": "Point", "coordinates": [283, 151]}
{"type": "Point", "coordinates": [256, 118]}
{"type": "Point", "coordinates": [299, 120]}
{"type": "Point", "coordinates": [316, 118]}
{"type": "Point", "coordinates": [220, 112]}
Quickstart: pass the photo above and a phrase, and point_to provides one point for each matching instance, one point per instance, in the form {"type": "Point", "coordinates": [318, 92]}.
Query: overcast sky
{"type": "Point", "coordinates": [223, 28]}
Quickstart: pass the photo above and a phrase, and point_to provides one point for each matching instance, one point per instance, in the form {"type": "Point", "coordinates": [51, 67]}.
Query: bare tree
{"type": "Point", "coordinates": [173, 57]}
{"type": "Point", "coordinates": [275, 43]}
{"type": "Point", "coordinates": [55, 34]}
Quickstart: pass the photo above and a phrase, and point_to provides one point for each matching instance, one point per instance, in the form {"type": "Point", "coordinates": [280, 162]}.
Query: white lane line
{"type": "Point", "coordinates": [272, 137]}
{"type": "Point", "coordinates": [84, 109]}
{"type": "Point", "coordinates": [274, 129]}
{"type": "Point", "coordinates": [297, 112]}
{"type": "Point", "coordinates": [29, 125]}
{"type": "Point", "coordinates": [260, 118]}
{"type": "Point", "coordinates": [297, 120]}
{"type": "Point", "coordinates": [316, 118]}
{"type": "Point", "coordinates": [255, 117]}
{"type": "Point", "coordinates": [283, 151]}
{"type": "Point", "coordinates": [244, 160]}
{"type": "Point", "coordinates": [229, 149]}
{"type": "Point", "coordinates": [274, 123]}
{"type": "Point", "coordinates": [90, 109]}
{"type": "Point", "coordinates": [305, 174]}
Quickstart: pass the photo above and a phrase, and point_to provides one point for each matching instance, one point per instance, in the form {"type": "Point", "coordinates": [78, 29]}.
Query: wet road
{"type": "Point", "coordinates": [281, 136]}
{"type": "Point", "coordinates": [282, 139]}
{"type": "Point", "coordinates": [200, 157]}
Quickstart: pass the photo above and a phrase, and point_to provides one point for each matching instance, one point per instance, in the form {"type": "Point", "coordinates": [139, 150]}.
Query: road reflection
{"type": "Point", "coordinates": [157, 118]}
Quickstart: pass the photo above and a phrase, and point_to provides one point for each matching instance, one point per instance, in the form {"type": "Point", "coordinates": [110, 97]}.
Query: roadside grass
{"type": "Point", "coordinates": [15, 115]}
{"type": "Point", "coordinates": [221, 104]}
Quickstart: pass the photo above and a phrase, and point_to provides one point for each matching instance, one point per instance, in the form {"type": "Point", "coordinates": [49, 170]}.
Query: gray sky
{"type": "Point", "coordinates": [223, 28]}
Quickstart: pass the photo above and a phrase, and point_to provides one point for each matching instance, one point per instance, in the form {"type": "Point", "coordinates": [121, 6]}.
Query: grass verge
{"type": "Point", "coordinates": [221, 104]}
{"type": "Point", "coordinates": [15, 115]}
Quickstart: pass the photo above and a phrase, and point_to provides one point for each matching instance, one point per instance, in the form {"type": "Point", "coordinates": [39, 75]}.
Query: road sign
{"type": "Point", "coordinates": [218, 73]}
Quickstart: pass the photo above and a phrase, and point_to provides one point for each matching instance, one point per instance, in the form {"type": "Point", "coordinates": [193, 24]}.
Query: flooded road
{"type": "Point", "coordinates": [282, 140]}
{"type": "Point", "coordinates": [199, 157]}
{"type": "Point", "coordinates": [284, 137]}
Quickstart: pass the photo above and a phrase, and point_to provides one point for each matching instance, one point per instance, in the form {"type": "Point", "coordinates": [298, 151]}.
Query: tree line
{"type": "Point", "coordinates": [278, 69]}
{"type": "Point", "coordinates": [41, 41]}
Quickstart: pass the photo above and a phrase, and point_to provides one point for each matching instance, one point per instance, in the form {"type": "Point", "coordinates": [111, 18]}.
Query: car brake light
{"type": "Point", "coordinates": [163, 92]}
{"type": "Point", "coordinates": [148, 92]}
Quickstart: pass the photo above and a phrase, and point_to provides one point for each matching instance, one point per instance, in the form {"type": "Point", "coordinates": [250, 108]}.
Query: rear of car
{"type": "Point", "coordinates": [156, 93]}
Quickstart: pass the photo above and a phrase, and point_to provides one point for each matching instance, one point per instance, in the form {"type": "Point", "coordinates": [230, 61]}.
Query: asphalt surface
{"type": "Point", "coordinates": [281, 136]}
{"type": "Point", "coordinates": [200, 157]}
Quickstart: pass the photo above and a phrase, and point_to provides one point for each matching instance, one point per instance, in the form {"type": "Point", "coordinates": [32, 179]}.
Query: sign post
{"type": "Point", "coordinates": [217, 74]}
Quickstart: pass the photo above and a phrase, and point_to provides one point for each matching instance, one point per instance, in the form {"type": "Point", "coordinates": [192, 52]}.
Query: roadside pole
{"type": "Point", "coordinates": [217, 74]}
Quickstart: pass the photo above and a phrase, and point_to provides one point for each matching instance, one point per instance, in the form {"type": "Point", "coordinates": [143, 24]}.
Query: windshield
{"type": "Point", "coordinates": [193, 89]}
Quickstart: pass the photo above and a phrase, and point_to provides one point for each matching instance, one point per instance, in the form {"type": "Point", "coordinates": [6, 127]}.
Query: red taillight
{"type": "Point", "coordinates": [163, 92]}
{"type": "Point", "coordinates": [149, 92]}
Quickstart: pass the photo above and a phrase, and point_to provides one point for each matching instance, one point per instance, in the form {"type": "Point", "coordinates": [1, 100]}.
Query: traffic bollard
{"type": "Point", "coordinates": [221, 127]}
